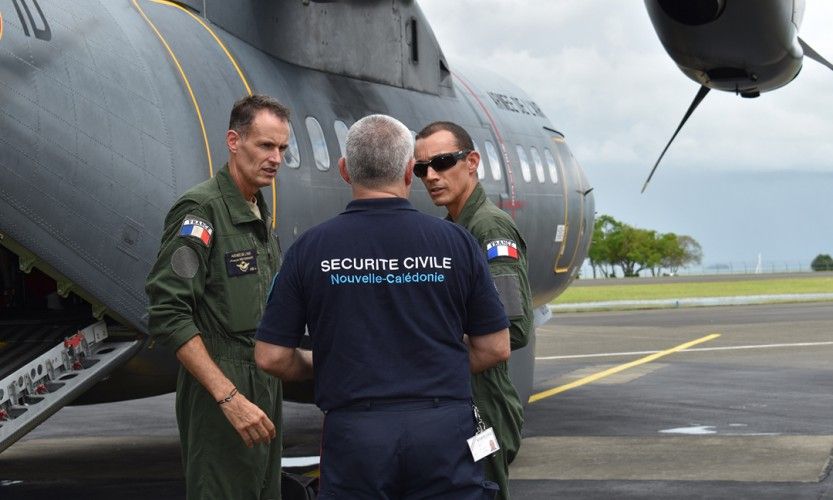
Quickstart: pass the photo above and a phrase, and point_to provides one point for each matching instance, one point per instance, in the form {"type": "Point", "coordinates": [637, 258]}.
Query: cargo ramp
{"type": "Point", "coordinates": [44, 367]}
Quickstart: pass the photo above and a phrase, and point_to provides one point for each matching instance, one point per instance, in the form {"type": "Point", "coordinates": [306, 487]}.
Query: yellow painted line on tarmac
{"type": "Point", "coordinates": [616, 369]}
{"type": "Point", "coordinates": [1, 25]}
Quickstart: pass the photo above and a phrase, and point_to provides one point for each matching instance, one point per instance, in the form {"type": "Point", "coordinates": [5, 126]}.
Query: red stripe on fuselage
{"type": "Point", "coordinates": [513, 204]}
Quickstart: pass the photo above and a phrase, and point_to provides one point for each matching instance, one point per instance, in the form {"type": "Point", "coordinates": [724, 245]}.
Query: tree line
{"type": "Point", "coordinates": [633, 250]}
{"type": "Point", "coordinates": [822, 262]}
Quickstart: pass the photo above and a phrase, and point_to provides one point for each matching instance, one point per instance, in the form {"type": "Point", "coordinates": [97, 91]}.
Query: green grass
{"type": "Point", "coordinates": [628, 290]}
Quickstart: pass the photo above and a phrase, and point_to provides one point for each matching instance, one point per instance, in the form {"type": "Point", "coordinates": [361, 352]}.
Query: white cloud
{"type": "Point", "coordinates": [739, 177]}
{"type": "Point", "coordinates": [601, 75]}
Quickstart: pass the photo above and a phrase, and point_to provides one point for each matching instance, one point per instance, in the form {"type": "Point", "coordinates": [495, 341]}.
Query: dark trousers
{"type": "Point", "coordinates": [401, 450]}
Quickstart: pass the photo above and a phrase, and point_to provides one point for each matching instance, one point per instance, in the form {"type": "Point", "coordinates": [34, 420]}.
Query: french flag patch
{"type": "Point", "coordinates": [501, 248]}
{"type": "Point", "coordinates": [196, 228]}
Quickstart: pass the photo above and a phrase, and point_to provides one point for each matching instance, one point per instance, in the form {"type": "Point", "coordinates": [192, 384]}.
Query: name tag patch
{"type": "Point", "coordinates": [194, 227]}
{"type": "Point", "coordinates": [501, 248]}
{"type": "Point", "coordinates": [241, 262]}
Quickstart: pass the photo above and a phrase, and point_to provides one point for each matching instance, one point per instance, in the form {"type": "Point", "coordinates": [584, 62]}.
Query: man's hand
{"type": "Point", "coordinates": [246, 417]}
{"type": "Point", "coordinates": [286, 363]}
{"type": "Point", "coordinates": [485, 351]}
{"type": "Point", "coordinates": [249, 420]}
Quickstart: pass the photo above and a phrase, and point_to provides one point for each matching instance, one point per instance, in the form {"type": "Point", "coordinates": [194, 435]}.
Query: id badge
{"type": "Point", "coordinates": [483, 444]}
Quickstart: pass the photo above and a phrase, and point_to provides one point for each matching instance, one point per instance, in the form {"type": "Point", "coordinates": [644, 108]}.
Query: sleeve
{"type": "Point", "coordinates": [176, 283]}
{"type": "Point", "coordinates": [505, 252]}
{"type": "Point", "coordinates": [484, 312]}
{"type": "Point", "coordinates": [284, 318]}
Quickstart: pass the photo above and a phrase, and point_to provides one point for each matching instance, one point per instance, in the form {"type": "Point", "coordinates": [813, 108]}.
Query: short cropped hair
{"type": "Point", "coordinates": [245, 109]}
{"type": "Point", "coordinates": [462, 137]}
{"type": "Point", "coordinates": [378, 150]}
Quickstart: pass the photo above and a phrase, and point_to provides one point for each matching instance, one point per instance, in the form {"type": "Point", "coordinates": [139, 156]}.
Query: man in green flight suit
{"type": "Point", "coordinates": [207, 292]}
{"type": "Point", "coordinates": [446, 161]}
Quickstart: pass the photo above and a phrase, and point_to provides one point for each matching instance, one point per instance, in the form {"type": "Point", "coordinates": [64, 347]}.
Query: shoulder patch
{"type": "Point", "coordinates": [195, 227]}
{"type": "Point", "coordinates": [501, 248]}
{"type": "Point", "coordinates": [185, 262]}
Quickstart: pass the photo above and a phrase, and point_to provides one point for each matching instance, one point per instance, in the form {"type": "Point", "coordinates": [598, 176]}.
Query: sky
{"type": "Point", "coordinates": [745, 177]}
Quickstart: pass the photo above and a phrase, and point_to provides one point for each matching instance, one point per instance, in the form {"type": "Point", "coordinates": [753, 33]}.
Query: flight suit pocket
{"type": "Point", "coordinates": [237, 268]}
{"type": "Point", "coordinates": [509, 290]}
{"type": "Point", "coordinates": [244, 302]}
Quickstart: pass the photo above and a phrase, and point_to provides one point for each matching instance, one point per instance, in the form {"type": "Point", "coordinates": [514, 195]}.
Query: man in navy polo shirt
{"type": "Point", "coordinates": [387, 294]}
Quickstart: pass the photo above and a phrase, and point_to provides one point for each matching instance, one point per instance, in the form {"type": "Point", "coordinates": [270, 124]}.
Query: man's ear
{"type": "Point", "coordinates": [342, 169]}
{"type": "Point", "coordinates": [409, 172]}
{"type": "Point", "coordinates": [473, 160]}
{"type": "Point", "coordinates": [232, 141]}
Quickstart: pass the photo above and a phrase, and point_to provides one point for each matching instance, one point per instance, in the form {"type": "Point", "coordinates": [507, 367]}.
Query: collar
{"type": "Point", "coordinates": [238, 210]}
{"type": "Point", "coordinates": [378, 204]}
{"type": "Point", "coordinates": [475, 201]}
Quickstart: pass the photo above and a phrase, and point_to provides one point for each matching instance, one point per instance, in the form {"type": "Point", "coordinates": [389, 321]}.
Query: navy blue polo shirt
{"type": "Point", "coordinates": [387, 293]}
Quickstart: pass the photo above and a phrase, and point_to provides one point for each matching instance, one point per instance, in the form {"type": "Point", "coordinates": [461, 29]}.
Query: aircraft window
{"type": "Point", "coordinates": [524, 163]}
{"type": "Point", "coordinates": [481, 171]}
{"type": "Point", "coordinates": [494, 160]}
{"type": "Point", "coordinates": [341, 134]}
{"type": "Point", "coordinates": [551, 165]}
{"type": "Point", "coordinates": [539, 165]}
{"type": "Point", "coordinates": [292, 156]}
{"type": "Point", "coordinates": [319, 144]}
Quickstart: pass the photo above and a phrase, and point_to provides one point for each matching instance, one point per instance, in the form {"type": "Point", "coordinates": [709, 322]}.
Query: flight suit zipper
{"type": "Point", "coordinates": [260, 287]}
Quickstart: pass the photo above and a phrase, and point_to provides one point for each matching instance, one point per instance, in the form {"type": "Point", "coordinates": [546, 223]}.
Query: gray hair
{"type": "Point", "coordinates": [378, 151]}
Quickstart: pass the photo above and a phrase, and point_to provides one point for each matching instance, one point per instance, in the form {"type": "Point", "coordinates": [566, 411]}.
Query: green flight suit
{"type": "Point", "coordinates": [212, 275]}
{"type": "Point", "coordinates": [493, 391]}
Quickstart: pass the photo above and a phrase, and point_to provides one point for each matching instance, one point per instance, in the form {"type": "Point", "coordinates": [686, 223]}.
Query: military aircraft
{"type": "Point", "coordinates": [741, 46]}
{"type": "Point", "coordinates": [109, 110]}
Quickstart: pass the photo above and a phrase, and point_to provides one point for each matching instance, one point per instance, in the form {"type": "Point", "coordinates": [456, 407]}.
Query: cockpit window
{"type": "Point", "coordinates": [341, 134]}
{"type": "Point", "coordinates": [525, 171]}
{"type": "Point", "coordinates": [292, 156]}
{"type": "Point", "coordinates": [551, 165]}
{"type": "Point", "coordinates": [319, 144]}
{"type": "Point", "coordinates": [494, 160]}
{"type": "Point", "coordinates": [539, 165]}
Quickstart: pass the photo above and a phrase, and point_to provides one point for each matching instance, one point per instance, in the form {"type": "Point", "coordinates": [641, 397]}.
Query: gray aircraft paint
{"type": "Point", "coordinates": [124, 105]}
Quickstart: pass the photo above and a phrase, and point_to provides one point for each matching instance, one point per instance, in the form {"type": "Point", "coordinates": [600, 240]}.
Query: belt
{"type": "Point", "coordinates": [229, 349]}
{"type": "Point", "coordinates": [400, 404]}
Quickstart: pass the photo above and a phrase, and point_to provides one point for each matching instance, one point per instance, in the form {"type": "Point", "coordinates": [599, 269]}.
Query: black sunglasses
{"type": "Point", "coordinates": [439, 163]}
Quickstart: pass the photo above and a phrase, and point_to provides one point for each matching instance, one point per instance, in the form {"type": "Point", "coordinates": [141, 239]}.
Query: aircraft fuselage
{"type": "Point", "coordinates": [111, 109]}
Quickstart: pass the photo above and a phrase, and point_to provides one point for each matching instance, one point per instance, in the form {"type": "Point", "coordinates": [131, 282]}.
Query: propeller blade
{"type": "Point", "coordinates": [699, 97]}
{"type": "Point", "coordinates": [812, 54]}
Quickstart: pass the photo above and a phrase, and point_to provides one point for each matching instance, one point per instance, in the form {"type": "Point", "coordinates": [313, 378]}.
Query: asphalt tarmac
{"type": "Point", "coordinates": [636, 404]}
